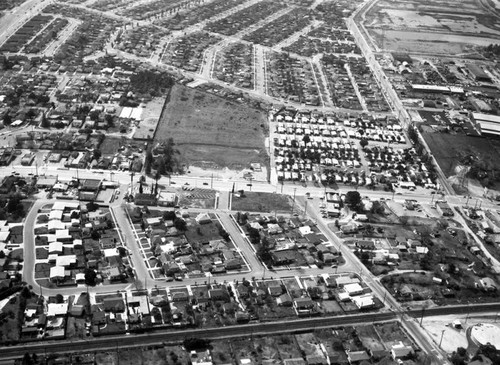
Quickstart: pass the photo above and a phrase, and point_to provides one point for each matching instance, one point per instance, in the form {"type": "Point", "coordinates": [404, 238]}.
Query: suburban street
{"type": "Point", "coordinates": [352, 265]}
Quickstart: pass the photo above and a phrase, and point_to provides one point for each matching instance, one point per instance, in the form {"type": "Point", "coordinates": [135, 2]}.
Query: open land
{"type": "Point", "coordinates": [429, 27]}
{"type": "Point", "coordinates": [204, 127]}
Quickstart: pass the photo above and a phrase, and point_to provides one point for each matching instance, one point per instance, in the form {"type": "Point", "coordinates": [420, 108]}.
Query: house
{"type": "Point", "coordinates": [57, 273]}
{"type": "Point", "coordinates": [353, 289]}
{"type": "Point", "coordinates": [203, 218]}
{"type": "Point", "coordinates": [444, 209]}
{"type": "Point", "coordinates": [365, 244]}
{"type": "Point", "coordinates": [303, 303]}
{"type": "Point", "coordinates": [275, 290]}
{"type": "Point", "coordinates": [363, 301]}
{"type": "Point", "coordinates": [145, 199]}
{"type": "Point", "coordinates": [167, 199]}
{"type": "Point", "coordinates": [283, 257]}
{"type": "Point", "coordinates": [355, 357]}
{"type": "Point", "coordinates": [294, 361]}
{"type": "Point", "coordinates": [90, 184]}
{"type": "Point", "coordinates": [349, 229]}
{"type": "Point", "coordinates": [115, 305]}
{"type": "Point", "coordinates": [284, 300]}
{"type": "Point", "coordinates": [401, 351]}
{"type": "Point", "coordinates": [345, 280]}
{"type": "Point", "coordinates": [233, 264]}
{"type": "Point", "coordinates": [57, 309]}
{"type": "Point", "coordinates": [218, 294]}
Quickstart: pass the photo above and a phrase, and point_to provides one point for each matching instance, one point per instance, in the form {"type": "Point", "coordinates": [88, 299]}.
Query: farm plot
{"type": "Point", "coordinates": [204, 126]}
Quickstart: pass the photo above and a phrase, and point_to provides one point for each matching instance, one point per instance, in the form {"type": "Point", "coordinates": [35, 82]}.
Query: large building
{"type": "Point", "coordinates": [479, 73]}
{"type": "Point", "coordinates": [489, 124]}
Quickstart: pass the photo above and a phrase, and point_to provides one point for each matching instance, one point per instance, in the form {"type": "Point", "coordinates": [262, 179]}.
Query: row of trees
{"type": "Point", "coordinates": [166, 160]}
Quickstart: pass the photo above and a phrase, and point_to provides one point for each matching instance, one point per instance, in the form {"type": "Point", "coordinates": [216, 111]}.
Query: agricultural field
{"type": "Point", "coordinates": [212, 132]}
{"type": "Point", "coordinates": [427, 26]}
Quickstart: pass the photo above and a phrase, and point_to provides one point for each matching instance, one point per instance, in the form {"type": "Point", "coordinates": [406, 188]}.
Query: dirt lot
{"type": "Point", "coordinates": [427, 26]}
{"type": "Point", "coordinates": [150, 118]}
{"type": "Point", "coordinates": [447, 148]}
{"type": "Point", "coordinates": [261, 202]}
{"type": "Point", "coordinates": [203, 126]}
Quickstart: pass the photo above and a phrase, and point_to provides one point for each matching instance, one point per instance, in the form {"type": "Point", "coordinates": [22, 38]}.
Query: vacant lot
{"type": "Point", "coordinates": [428, 26]}
{"type": "Point", "coordinates": [448, 148]}
{"type": "Point", "coordinates": [261, 202]}
{"type": "Point", "coordinates": [204, 126]}
{"type": "Point", "coordinates": [150, 118]}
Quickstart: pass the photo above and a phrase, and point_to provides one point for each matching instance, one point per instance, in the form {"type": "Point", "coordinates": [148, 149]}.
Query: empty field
{"type": "Point", "coordinates": [212, 132]}
{"type": "Point", "coordinates": [436, 27]}
{"type": "Point", "coordinates": [448, 149]}
{"type": "Point", "coordinates": [261, 202]}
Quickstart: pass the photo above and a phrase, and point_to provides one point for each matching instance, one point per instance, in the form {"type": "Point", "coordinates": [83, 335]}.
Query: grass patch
{"type": "Point", "coordinates": [261, 202]}
{"type": "Point", "coordinates": [203, 126]}
{"type": "Point", "coordinates": [110, 145]}
{"type": "Point", "coordinates": [448, 148]}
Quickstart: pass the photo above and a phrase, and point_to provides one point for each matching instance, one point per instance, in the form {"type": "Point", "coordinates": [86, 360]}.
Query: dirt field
{"type": "Point", "coordinates": [427, 26]}
{"type": "Point", "coordinates": [447, 148]}
{"type": "Point", "coordinates": [150, 118]}
{"type": "Point", "coordinates": [212, 132]}
{"type": "Point", "coordinates": [261, 202]}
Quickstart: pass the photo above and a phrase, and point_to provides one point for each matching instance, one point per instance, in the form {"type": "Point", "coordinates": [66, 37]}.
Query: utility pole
{"type": "Point", "coordinates": [293, 204]}
{"type": "Point", "coordinates": [442, 335]}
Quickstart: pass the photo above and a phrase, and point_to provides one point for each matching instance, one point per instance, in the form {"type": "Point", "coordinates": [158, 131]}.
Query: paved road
{"type": "Point", "coordinates": [176, 336]}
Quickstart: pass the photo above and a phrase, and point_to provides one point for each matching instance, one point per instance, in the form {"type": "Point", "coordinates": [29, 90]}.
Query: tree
{"type": "Point", "coordinates": [59, 298]}
{"type": "Point", "coordinates": [377, 208]}
{"type": "Point", "coordinates": [363, 142]}
{"type": "Point", "coordinates": [90, 277]}
{"type": "Point", "coordinates": [45, 122]}
{"type": "Point", "coordinates": [15, 207]}
{"type": "Point", "coordinates": [253, 234]}
{"type": "Point", "coordinates": [7, 119]}
{"type": "Point", "coordinates": [180, 224]}
{"type": "Point", "coordinates": [193, 343]}
{"type": "Point", "coordinates": [148, 161]}
{"type": "Point", "coordinates": [169, 215]}
{"type": "Point", "coordinates": [353, 200]}
{"type": "Point", "coordinates": [92, 207]}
